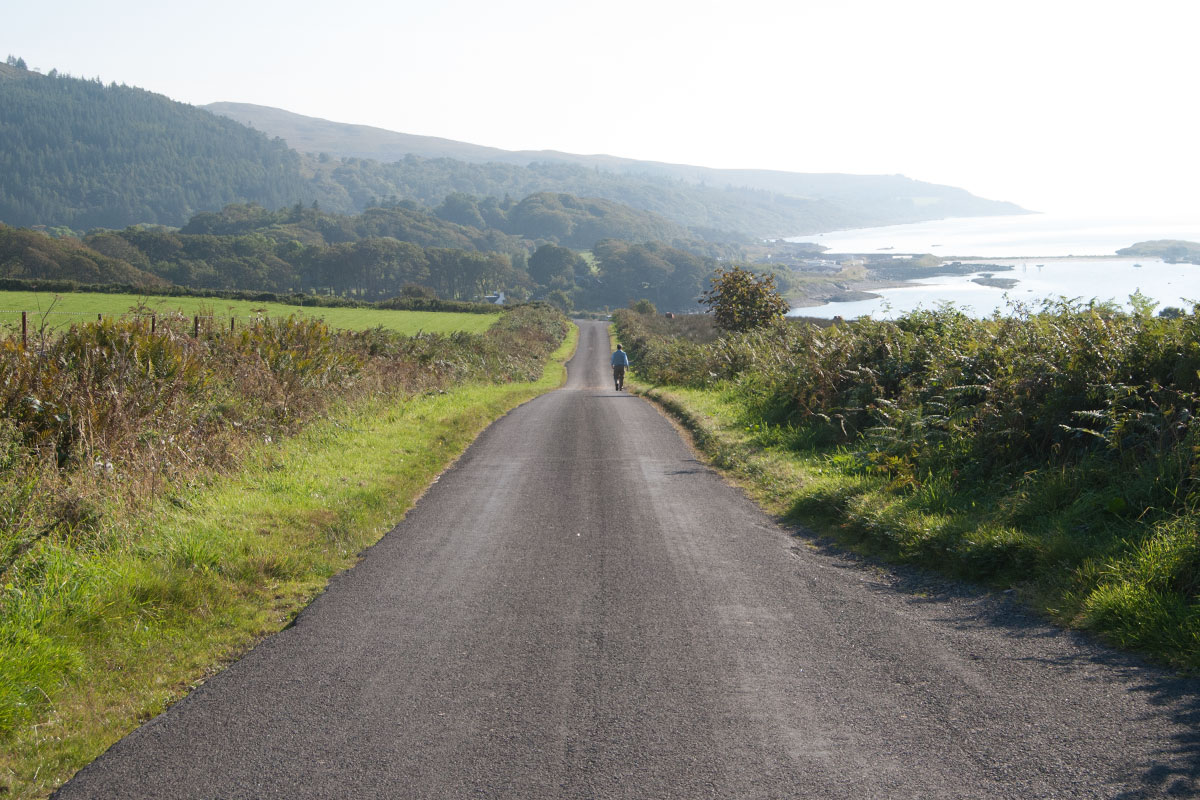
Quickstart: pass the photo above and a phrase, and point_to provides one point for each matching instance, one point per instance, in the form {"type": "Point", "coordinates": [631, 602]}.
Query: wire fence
{"type": "Point", "coordinates": [209, 320]}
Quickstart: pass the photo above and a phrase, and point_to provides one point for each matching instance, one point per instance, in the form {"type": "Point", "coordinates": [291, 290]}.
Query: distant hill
{"type": "Point", "coordinates": [717, 215]}
{"type": "Point", "coordinates": [1173, 251]}
{"type": "Point", "coordinates": [314, 135]}
{"type": "Point", "coordinates": [81, 154]}
{"type": "Point", "coordinates": [84, 154]}
{"type": "Point", "coordinates": [77, 155]}
{"type": "Point", "coordinates": [747, 202]}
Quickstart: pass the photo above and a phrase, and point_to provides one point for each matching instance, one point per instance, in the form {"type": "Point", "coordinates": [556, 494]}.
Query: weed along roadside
{"type": "Point", "coordinates": [1054, 453]}
{"type": "Point", "coordinates": [151, 581]}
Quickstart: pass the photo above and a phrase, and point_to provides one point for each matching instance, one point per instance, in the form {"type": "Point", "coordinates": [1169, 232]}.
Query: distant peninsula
{"type": "Point", "coordinates": [1172, 251]}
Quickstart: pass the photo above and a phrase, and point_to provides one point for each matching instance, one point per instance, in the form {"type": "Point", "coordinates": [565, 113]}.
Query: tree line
{"type": "Point", "coordinates": [380, 254]}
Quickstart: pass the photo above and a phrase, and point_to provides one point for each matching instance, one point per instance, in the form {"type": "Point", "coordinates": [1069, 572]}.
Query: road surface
{"type": "Point", "coordinates": [581, 609]}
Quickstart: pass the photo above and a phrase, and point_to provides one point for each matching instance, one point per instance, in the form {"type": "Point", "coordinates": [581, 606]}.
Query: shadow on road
{"type": "Point", "coordinates": [1175, 769]}
{"type": "Point", "coordinates": [1178, 773]}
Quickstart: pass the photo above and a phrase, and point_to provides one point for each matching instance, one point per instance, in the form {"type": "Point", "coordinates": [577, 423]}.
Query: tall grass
{"type": "Point", "coordinates": [102, 424]}
{"type": "Point", "coordinates": [1056, 447]}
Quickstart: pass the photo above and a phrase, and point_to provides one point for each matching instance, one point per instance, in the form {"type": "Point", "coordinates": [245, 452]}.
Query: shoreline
{"type": "Point", "coordinates": [843, 292]}
{"type": "Point", "coordinates": [1063, 234]}
{"type": "Point", "coordinates": [820, 294]}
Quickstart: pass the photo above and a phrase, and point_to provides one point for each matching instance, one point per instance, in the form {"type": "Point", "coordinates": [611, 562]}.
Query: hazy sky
{"type": "Point", "coordinates": [1061, 106]}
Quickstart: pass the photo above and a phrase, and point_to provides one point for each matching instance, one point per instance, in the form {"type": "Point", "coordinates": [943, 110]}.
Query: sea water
{"type": "Point", "coordinates": [1048, 256]}
{"type": "Point", "coordinates": [1020, 236]}
{"type": "Point", "coordinates": [1079, 279]}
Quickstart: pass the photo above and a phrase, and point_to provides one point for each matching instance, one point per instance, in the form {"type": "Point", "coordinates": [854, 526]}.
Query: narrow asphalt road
{"type": "Point", "coordinates": [580, 609]}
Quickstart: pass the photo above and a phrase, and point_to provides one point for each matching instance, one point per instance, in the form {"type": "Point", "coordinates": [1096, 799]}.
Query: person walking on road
{"type": "Point", "coordinates": [619, 362]}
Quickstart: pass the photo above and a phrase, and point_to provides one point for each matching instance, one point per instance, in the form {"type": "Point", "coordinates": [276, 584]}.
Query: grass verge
{"type": "Point", "coordinates": [194, 583]}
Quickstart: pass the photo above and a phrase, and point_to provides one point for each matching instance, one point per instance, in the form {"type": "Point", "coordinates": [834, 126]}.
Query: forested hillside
{"type": "Point", "coordinates": [84, 154]}
{"type": "Point", "coordinates": [564, 219]}
{"type": "Point", "coordinates": [310, 225]}
{"type": "Point", "coordinates": [716, 214]}
{"type": "Point", "coordinates": [739, 202]}
{"type": "Point", "coordinates": [81, 154]}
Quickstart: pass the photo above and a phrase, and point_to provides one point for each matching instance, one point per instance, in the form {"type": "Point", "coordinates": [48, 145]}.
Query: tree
{"type": "Point", "coordinates": [416, 291]}
{"type": "Point", "coordinates": [461, 209]}
{"type": "Point", "coordinates": [560, 300]}
{"type": "Point", "coordinates": [741, 300]}
{"type": "Point", "coordinates": [551, 261]}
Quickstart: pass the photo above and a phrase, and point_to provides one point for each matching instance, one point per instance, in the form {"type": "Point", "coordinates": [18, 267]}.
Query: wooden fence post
{"type": "Point", "coordinates": [196, 327]}
{"type": "Point", "coordinates": [24, 330]}
{"type": "Point", "coordinates": [231, 324]}
{"type": "Point", "coordinates": [153, 323]}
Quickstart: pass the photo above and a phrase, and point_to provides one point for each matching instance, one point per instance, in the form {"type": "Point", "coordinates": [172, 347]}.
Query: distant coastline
{"type": "Point", "coordinates": [997, 280]}
{"type": "Point", "coordinates": [1009, 236]}
{"type": "Point", "coordinates": [871, 264]}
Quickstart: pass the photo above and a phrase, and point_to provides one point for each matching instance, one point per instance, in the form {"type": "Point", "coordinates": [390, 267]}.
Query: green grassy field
{"type": "Point", "coordinates": [61, 310]}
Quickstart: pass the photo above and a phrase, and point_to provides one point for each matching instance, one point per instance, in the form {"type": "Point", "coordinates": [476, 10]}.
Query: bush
{"type": "Point", "coordinates": [109, 406]}
{"type": "Point", "coordinates": [740, 300]}
{"type": "Point", "coordinates": [940, 389]}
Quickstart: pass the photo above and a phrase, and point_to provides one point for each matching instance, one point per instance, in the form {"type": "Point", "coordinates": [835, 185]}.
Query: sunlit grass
{"type": "Point", "coordinates": [56, 311]}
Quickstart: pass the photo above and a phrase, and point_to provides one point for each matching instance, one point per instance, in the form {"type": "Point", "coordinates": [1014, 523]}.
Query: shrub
{"type": "Point", "coordinates": [740, 300]}
{"type": "Point", "coordinates": [937, 390]}
{"type": "Point", "coordinates": [111, 408]}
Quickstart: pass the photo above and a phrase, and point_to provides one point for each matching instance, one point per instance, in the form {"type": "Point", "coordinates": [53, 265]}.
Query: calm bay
{"type": "Point", "coordinates": [1047, 256]}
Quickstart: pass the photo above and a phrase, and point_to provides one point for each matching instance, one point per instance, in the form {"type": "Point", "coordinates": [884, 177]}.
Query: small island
{"type": "Point", "coordinates": [988, 279]}
{"type": "Point", "coordinates": [1172, 251]}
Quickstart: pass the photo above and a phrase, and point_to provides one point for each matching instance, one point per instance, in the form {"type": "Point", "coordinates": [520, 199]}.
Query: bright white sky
{"type": "Point", "coordinates": [1060, 106]}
